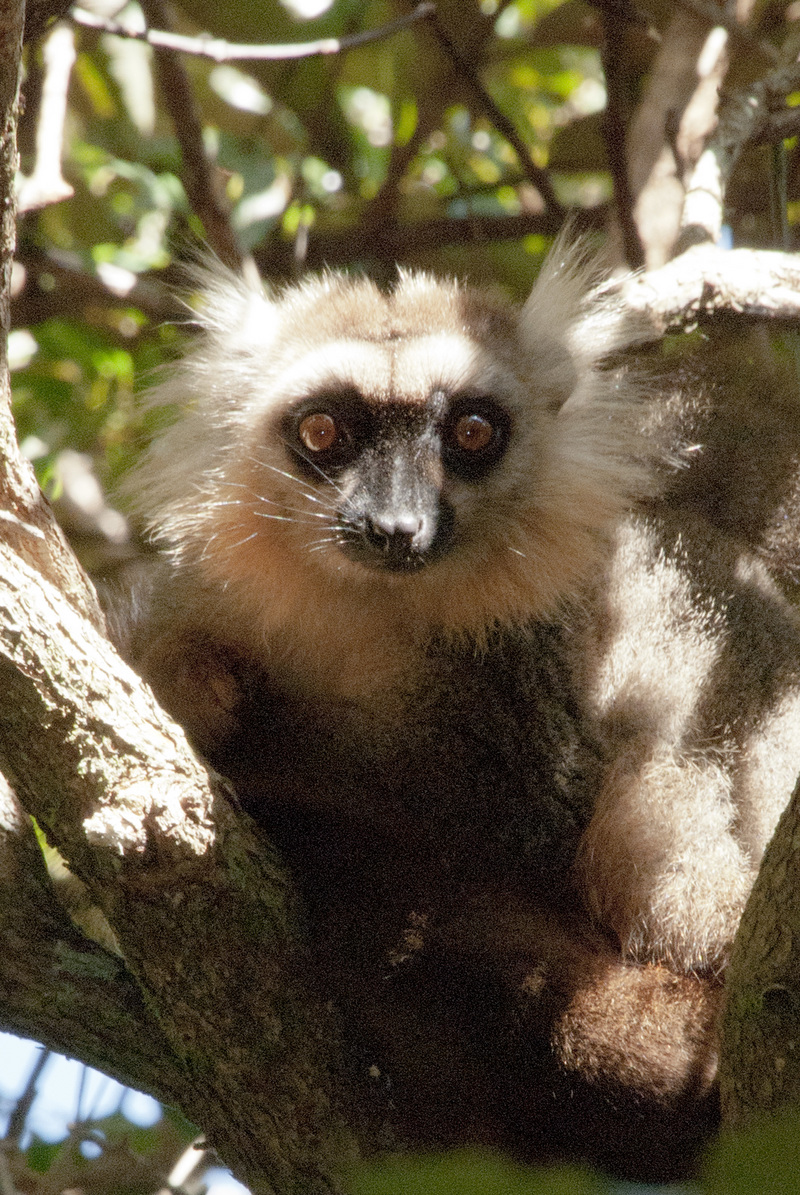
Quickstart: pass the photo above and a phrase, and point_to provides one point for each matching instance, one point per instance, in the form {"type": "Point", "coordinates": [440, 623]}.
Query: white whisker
{"type": "Point", "coordinates": [301, 521]}
{"type": "Point", "coordinates": [262, 498]}
{"type": "Point", "coordinates": [313, 464]}
{"type": "Point", "coordinates": [246, 540]}
{"type": "Point", "coordinates": [300, 485]}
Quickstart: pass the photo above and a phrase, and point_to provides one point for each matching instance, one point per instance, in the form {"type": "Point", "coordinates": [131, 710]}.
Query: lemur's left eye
{"type": "Point", "coordinates": [319, 432]}
{"type": "Point", "coordinates": [475, 436]}
{"type": "Point", "coordinates": [473, 432]}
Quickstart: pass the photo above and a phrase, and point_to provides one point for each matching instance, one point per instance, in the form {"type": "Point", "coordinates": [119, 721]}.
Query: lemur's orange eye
{"type": "Point", "coordinates": [473, 432]}
{"type": "Point", "coordinates": [318, 432]}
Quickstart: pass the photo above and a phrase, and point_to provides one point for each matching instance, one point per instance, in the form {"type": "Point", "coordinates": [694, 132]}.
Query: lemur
{"type": "Point", "coordinates": [485, 626]}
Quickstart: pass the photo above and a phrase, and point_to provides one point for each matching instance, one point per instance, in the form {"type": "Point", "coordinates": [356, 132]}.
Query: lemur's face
{"type": "Point", "coordinates": [397, 436]}
{"type": "Point", "coordinates": [388, 481]}
{"type": "Point", "coordinates": [433, 446]}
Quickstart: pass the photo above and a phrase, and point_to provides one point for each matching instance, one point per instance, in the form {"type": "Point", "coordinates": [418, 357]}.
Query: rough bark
{"type": "Point", "coordinates": [706, 281]}
{"type": "Point", "coordinates": [201, 910]}
{"type": "Point", "coordinates": [760, 1069]}
{"type": "Point", "coordinates": [26, 521]}
{"type": "Point", "coordinates": [58, 986]}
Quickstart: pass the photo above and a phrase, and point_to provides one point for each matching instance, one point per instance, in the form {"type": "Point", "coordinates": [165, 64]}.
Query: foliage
{"type": "Point", "coordinates": [465, 1173]}
{"type": "Point", "coordinates": [305, 149]}
{"type": "Point", "coordinates": [387, 152]}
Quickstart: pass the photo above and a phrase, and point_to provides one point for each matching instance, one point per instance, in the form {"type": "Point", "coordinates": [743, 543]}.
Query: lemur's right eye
{"type": "Point", "coordinates": [319, 431]}
{"type": "Point", "coordinates": [473, 433]}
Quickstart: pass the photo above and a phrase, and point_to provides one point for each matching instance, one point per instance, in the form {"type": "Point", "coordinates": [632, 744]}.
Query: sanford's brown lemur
{"type": "Point", "coordinates": [486, 631]}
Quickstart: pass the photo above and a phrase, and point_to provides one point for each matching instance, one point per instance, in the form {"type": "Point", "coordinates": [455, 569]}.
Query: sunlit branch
{"type": "Point", "coordinates": [46, 184]}
{"type": "Point", "coordinates": [756, 113]}
{"type": "Point", "coordinates": [707, 280]}
{"type": "Point", "coordinates": [205, 46]}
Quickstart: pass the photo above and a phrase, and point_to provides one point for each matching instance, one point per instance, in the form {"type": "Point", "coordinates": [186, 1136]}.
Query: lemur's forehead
{"type": "Point", "coordinates": [408, 369]}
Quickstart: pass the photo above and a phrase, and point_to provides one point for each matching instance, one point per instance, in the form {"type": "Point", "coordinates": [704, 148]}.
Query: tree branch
{"type": "Point", "coordinates": [673, 98]}
{"type": "Point", "coordinates": [27, 521]}
{"type": "Point", "coordinates": [760, 1067]}
{"type": "Point", "coordinates": [220, 50]}
{"type": "Point", "coordinates": [705, 281]}
{"type": "Point", "coordinates": [50, 974]}
{"type": "Point", "coordinates": [751, 114]}
{"type": "Point", "coordinates": [188, 888]}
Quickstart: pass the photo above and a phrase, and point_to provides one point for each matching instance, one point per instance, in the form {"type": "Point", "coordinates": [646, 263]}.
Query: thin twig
{"type": "Point", "coordinates": [16, 1123]}
{"type": "Point", "coordinates": [199, 176]}
{"type": "Point", "coordinates": [205, 46]}
{"type": "Point", "coordinates": [535, 174]}
{"type": "Point", "coordinates": [382, 208]}
{"type": "Point", "coordinates": [615, 122]}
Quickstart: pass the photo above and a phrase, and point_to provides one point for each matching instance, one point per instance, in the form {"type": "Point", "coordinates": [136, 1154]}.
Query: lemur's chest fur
{"type": "Point", "coordinates": [509, 790]}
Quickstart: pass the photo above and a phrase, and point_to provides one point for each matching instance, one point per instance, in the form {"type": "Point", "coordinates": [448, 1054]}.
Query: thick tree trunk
{"type": "Point", "coordinates": [201, 910]}
{"type": "Point", "coordinates": [205, 1008]}
{"type": "Point", "coordinates": [760, 1066]}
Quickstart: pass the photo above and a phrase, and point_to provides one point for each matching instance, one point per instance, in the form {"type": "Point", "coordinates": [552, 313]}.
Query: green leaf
{"type": "Point", "coordinates": [468, 1173]}
{"type": "Point", "coordinates": [39, 1155]}
{"type": "Point", "coordinates": [758, 1160]}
